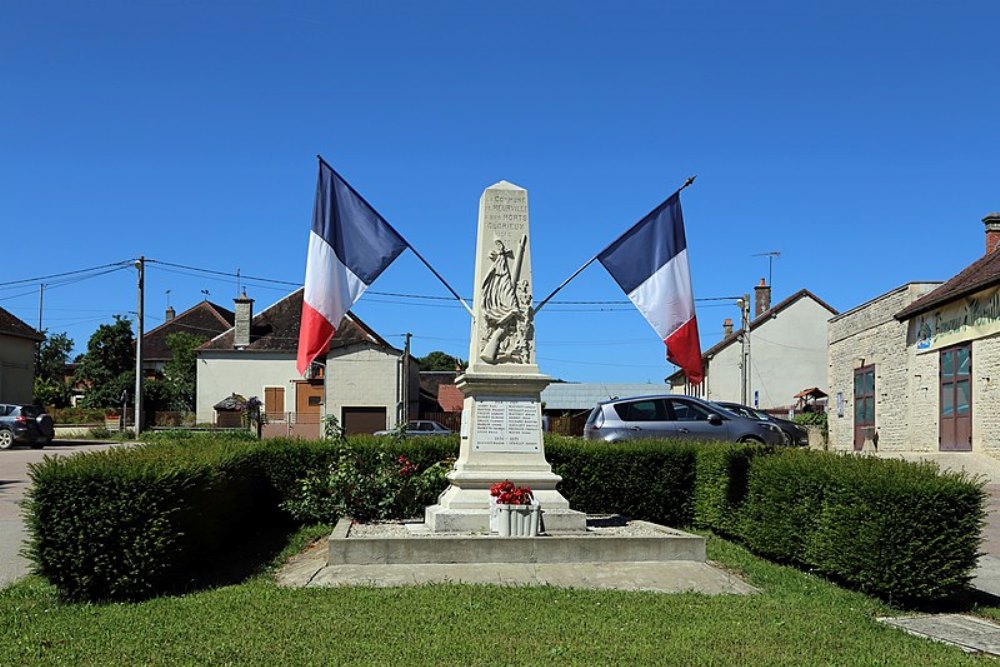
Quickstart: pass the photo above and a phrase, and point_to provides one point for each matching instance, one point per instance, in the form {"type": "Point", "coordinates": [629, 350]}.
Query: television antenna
{"type": "Point", "coordinates": [770, 262]}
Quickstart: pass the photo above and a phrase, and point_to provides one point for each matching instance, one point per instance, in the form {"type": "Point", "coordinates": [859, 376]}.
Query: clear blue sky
{"type": "Point", "coordinates": [859, 139]}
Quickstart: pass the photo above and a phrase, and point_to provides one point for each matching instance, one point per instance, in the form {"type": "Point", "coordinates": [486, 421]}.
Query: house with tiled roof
{"type": "Point", "coordinates": [918, 368]}
{"type": "Point", "coordinates": [205, 319]}
{"type": "Point", "coordinates": [17, 359]}
{"type": "Point", "coordinates": [359, 381]}
{"type": "Point", "coordinates": [786, 348]}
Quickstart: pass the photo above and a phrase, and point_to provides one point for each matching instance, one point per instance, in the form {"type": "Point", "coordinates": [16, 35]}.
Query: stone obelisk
{"type": "Point", "coordinates": [502, 416]}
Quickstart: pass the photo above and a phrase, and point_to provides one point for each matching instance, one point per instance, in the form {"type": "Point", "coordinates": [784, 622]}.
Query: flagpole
{"type": "Point", "coordinates": [590, 261]}
{"type": "Point", "coordinates": [408, 245]}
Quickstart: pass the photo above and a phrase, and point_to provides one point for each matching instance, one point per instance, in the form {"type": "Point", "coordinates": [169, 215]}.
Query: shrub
{"type": "Point", "coordinates": [650, 480]}
{"type": "Point", "coordinates": [784, 498]}
{"type": "Point", "coordinates": [384, 486]}
{"type": "Point", "coordinates": [900, 530]}
{"type": "Point", "coordinates": [722, 473]}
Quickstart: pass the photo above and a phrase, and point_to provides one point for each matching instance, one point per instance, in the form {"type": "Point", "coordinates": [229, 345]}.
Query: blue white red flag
{"type": "Point", "coordinates": [650, 262]}
{"type": "Point", "coordinates": [350, 245]}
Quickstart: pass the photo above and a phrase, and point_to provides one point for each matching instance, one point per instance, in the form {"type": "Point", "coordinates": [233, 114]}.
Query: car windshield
{"type": "Point", "coordinates": [31, 411]}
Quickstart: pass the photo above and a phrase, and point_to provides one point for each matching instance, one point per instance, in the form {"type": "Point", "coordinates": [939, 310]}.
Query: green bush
{"type": "Point", "coordinates": [784, 498]}
{"type": "Point", "coordinates": [899, 530]}
{"type": "Point", "coordinates": [722, 473]}
{"type": "Point", "coordinates": [649, 480]}
{"type": "Point", "coordinates": [367, 488]}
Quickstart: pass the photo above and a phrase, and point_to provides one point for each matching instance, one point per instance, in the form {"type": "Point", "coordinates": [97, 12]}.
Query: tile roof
{"type": "Point", "coordinates": [757, 321]}
{"type": "Point", "coordinates": [276, 328]}
{"type": "Point", "coordinates": [12, 326]}
{"type": "Point", "coordinates": [205, 319]}
{"type": "Point", "coordinates": [982, 273]}
{"type": "Point", "coordinates": [585, 395]}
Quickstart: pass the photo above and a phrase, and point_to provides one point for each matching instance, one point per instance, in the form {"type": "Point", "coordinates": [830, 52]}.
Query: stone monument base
{"type": "Point", "coordinates": [501, 440]}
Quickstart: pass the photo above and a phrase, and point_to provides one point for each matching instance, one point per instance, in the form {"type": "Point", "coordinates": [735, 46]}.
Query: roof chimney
{"type": "Point", "coordinates": [170, 314]}
{"type": "Point", "coordinates": [727, 327]}
{"type": "Point", "coordinates": [244, 315]}
{"type": "Point", "coordinates": [992, 222]}
{"type": "Point", "coordinates": [761, 298]}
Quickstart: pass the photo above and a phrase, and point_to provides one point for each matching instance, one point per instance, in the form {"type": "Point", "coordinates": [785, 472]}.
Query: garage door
{"type": "Point", "coordinates": [358, 421]}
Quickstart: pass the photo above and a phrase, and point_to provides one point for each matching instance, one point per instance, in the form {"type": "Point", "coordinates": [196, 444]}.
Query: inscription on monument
{"type": "Point", "coordinates": [507, 425]}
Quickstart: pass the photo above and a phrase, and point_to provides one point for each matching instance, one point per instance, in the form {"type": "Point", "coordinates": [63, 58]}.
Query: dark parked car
{"type": "Point", "coordinates": [794, 434]}
{"type": "Point", "coordinates": [420, 427]}
{"type": "Point", "coordinates": [670, 416]}
{"type": "Point", "coordinates": [28, 424]}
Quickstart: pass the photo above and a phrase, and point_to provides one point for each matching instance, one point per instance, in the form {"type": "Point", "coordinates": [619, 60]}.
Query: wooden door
{"type": "Point", "coordinates": [864, 406]}
{"type": "Point", "coordinates": [956, 399]}
{"type": "Point", "coordinates": [308, 397]}
{"type": "Point", "coordinates": [274, 403]}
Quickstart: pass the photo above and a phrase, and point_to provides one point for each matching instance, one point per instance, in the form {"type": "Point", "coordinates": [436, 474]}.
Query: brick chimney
{"type": "Point", "coordinates": [992, 222]}
{"type": "Point", "coordinates": [170, 314]}
{"type": "Point", "coordinates": [727, 327]}
{"type": "Point", "coordinates": [761, 298]}
{"type": "Point", "coordinates": [244, 315]}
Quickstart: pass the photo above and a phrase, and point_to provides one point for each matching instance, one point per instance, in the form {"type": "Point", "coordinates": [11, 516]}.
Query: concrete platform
{"type": "Point", "coordinates": [971, 634]}
{"type": "Point", "coordinates": [614, 553]}
{"type": "Point", "coordinates": [607, 539]}
{"type": "Point", "coordinates": [680, 576]}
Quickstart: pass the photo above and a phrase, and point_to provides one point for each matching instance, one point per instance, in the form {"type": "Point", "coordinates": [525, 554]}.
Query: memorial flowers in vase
{"type": "Point", "coordinates": [507, 494]}
{"type": "Point", "coordinates": [514, 512]}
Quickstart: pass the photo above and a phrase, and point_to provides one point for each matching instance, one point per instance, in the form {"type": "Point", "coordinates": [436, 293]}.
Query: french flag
{"type": "Point", "coordinates": [650, 262]}
{"type": "Point", "coordinates": [350, 245]}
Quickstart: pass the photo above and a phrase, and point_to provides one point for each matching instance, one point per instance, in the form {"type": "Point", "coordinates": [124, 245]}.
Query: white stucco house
{"type": "Point", "coordinates": [360, 381]}
{"type": "Point", "coordinates": [17, 359]}
{"type": "Point", "coordinates": [788, 353]}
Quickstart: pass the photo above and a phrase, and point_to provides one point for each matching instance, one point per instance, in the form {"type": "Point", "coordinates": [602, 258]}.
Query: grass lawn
{"type": "Point", "coordinates": [798, 620]}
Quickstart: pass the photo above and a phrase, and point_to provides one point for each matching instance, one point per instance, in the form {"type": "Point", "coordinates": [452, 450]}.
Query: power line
{"type": "Point", "coordinates": [120, 264]}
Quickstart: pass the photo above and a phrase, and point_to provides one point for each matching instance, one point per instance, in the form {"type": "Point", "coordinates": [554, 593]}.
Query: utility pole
{"type": "Point", "coordinates": [41, 297]}
{"type": "Point", "coordinates": [744, 304]}
{"type": "Point", "coordinates": [140, 265]}
{"type": "Point", "coordinates": [406, 379]}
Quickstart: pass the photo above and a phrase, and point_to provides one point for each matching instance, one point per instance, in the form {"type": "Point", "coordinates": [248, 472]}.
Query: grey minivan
{"type": "Point", "coordinates": [670, 416]}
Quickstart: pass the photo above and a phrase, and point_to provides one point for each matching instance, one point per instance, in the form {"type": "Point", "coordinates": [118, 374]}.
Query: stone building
{"type": "Point", "coordinates": [918, 368]}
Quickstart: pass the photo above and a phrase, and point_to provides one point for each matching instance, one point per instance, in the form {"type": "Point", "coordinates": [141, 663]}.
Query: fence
{"type": "Point", "coordinates": [304, 425]}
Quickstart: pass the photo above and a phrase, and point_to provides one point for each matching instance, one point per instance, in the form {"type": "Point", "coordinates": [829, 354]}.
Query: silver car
{"type": "Point", "coordinates": [681, 417]}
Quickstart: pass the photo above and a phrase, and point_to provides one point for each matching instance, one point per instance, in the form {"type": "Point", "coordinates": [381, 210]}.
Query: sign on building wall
{"type": "Point", "coordinates": [973, 317]}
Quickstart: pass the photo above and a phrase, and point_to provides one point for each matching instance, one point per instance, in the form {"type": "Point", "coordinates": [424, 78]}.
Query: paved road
{"type": "Point", "coordinates": [14, 483]}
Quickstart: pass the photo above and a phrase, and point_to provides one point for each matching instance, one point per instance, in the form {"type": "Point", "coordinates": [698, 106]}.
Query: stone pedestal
{"type": "Point", "coordinates": [502, 415]}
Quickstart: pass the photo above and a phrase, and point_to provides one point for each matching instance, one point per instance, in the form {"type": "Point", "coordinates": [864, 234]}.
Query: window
{"type": "Point", "coordinates": [688, 412]}
{"type": "Point", "coordinates": [646, 410]}
{"type": "Point", "coordinates": [864, 405]}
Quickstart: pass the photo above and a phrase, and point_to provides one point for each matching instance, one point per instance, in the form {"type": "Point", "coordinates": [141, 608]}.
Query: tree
{"type": "Point", "coordinates": [181, 371]}
{"type": "Point", "coordinates": [108, 367]}
{"type": "Point", "coordinates": [440, 361]}
{"type": "Point", "coordinates": [51, 355]}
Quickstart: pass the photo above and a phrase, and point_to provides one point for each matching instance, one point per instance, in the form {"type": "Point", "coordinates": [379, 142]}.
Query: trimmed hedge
{"type": "Point", "coordinates": [649, 480]}
{"type": "Point", "coordinates": [897, 529]}
{"type": "Point", "coordinates": [130, 523]}
{"type": "Point", "coordinates": [722, 471]}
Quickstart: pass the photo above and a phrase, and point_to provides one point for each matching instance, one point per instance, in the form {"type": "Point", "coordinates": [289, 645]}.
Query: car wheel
{"type": "Point", "coordinates": [6, 438]}
{"type": "Point", "coordinates": [750, 439]}
{"type": "Point", "coordinates": [38, 444]}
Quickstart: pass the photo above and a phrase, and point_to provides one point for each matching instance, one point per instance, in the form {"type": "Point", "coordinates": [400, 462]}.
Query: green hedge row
{"type": "Point", "coordinates": [130, 523]}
